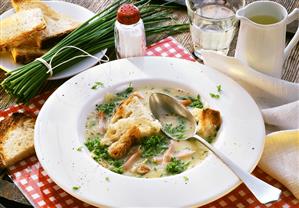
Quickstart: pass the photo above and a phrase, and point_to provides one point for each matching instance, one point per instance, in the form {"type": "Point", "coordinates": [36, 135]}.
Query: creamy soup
{"type": "Point", "coordinates": [123, 136]}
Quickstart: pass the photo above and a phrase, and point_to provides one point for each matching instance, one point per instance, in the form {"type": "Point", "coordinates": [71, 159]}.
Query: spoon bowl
{"type": "Point", "coordinates": [163, 106]}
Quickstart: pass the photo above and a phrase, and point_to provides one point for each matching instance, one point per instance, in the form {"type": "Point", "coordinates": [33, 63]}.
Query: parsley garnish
{"type": "Point", "coordinates": [153, 145]}
{"type": "Point", "coordinates": [108, 108]}
{"type": "Point", "coordinates": [176, 131]}
{"type": "Point", "coordinates": [79, 149]}
{"type": "Point", "coordinates": [124, 94]}
{"type": "Point", "coordinates": [96, 85]}
{"type": "Point", "coordinates": [219, 90]}
{"type": "Point", "coordinates": [186, 179]}
{"type": "Point", "coordinates": [75, 188]}
{"type": "Point", "coordinates": [216, 96]}
{"type": "Point", "coordinates": [196, 102]}
{"type": "Point", "coordinates": [100, 153]}
{"type": "Point", "coordinates": [176, 166]}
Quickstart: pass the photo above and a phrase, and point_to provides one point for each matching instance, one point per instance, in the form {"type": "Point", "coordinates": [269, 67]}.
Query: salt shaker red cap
{"type": "Point", "coordinates": [128, 14]}
{"type": "Point", "coordinates": [129, 34]}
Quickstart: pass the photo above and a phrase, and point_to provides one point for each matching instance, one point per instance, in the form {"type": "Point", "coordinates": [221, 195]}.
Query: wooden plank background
{"type": "Point", "coordinates": [291, 66]}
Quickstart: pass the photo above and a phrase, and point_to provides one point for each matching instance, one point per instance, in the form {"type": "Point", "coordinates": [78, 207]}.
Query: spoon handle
{"type": "Point", "coordinates": [264, 192]}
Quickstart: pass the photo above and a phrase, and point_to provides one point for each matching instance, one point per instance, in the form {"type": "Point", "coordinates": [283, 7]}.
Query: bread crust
{"type": "Point", "coordinates": [7, 126]}
{"type": "Point", "coordinates": [119, 148]}
{"type": "Point", "coordinates": [17, 22]}
{"type": "Point", "coordinates": [210, 121]}
{"type": "Point", "coordinates": [24, 55]}
{"type": "Point", "coordinates": [131, 122]}
{"type": "Point", "coordinates": [58, 25]}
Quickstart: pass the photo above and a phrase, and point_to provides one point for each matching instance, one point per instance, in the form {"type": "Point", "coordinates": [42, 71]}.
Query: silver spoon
{"type": "Point", "coordinates": [163, 105]}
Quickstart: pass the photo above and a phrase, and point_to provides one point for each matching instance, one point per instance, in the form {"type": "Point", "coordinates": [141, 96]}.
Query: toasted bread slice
{"type": "Point", "coordinates": [25, 54]}
{"type": "Point", "coordinates": [16, 28]}
{"type": "Point", "coordinates": [27, 51]}
{"type": "Point", "coordinates": [56, 30]}
{"type": "Point", "coordinates": [131, 122]}
{"type": "Point", "coordinates": [16, 138]}
{"type": "Point", "coordinates": [209, 122]}
{"type": "Point", "coordinates": [58, 25]}
{"type": "Point", "coordinates": [20, 5]}
{"type": "Point", "coordinates": [131, 112]}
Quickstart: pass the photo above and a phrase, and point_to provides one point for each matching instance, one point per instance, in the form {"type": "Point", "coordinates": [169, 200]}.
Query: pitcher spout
{"type": "Point", "coordinates": [240, 14]}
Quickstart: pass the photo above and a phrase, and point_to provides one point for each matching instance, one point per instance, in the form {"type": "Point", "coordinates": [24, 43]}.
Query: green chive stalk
{"type": "Point", "coordinates": [92, 36]}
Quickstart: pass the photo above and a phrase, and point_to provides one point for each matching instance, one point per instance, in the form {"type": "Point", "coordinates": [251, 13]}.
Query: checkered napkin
{"type": "Point", "coordinates": [42, 192]}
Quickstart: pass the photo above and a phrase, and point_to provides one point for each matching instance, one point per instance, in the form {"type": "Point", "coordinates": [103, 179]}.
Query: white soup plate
{"type": "Point", "coordinates": [60, 130]}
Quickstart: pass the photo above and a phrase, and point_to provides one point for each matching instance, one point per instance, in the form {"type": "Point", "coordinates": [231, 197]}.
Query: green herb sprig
{"type": "Point", "coordinates": [177, 131]}
{"type": "Point", "coordinates": [75, 188]}
{"type": "Point", "coordinates": [196, 102]}
{"type": "Point", "coordinates": [100, 153]}
{"type": "Point", "coordinates": [97, 85]}
{"type": "Point", "coordinates": [124, 94]}
{"type": "Point", "coordinates": [217, 95]}
{"type": "Point", "coordinates": [153, 145]}
{"type": "Point", "coordinates": [108, 108]}
{"type": "Point", "coordinates": [176, 166]}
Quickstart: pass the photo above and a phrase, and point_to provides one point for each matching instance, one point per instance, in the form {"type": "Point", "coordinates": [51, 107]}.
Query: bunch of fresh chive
{"type": "Point", "coordinates": [92, 36]}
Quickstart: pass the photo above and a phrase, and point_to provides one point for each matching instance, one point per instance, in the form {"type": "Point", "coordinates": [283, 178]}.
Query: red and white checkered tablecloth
{"type": "Point", "coordinates": [42, 192]}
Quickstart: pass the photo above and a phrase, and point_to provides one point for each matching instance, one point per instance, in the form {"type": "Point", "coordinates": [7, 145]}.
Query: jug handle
{"type": "Point", "coordinates": [294, 15]}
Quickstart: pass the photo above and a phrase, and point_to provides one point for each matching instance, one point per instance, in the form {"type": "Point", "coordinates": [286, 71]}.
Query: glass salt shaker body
{"type": "Point", "coordinates": [130, 40]}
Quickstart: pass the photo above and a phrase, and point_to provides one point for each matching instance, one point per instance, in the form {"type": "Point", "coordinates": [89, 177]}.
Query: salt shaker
{"type": "Point", "coordinates": [129, 34]}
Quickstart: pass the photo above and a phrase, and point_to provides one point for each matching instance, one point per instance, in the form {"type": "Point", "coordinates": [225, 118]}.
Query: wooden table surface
{"type": "Point", "coordinates": [291, 66]}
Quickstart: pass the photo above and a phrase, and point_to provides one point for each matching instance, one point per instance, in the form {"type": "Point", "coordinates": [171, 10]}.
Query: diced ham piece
{"type": "Point", "coordinates": [180, 155]}
{"type": "Point", "coordinates": [143, 169]}
{"type": "Point", "coordinates": [157, 159]}
{"type": "Point", "coordinates": [102, 123]}
{"type": "Point", "coordinates": [186, 102]}
{"type": "Point", "coordinates": [184, 153]}
{"type": "Point", "coordinates": [132, 159]}
{"type": "Point", "coordinates": [137, 94]}
{"type": "Point", "coordinates": [169, 152]}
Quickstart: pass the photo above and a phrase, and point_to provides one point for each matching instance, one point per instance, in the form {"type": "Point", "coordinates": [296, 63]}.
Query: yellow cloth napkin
{"type": "Point", "coordinates": [281, 158]}
{"type": "Point", "coordinates": [279, 104]}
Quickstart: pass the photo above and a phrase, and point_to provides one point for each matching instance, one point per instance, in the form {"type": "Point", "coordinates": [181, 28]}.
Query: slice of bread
{"type": "Point", "coordinates": [58, 25]}
{"type": "Point", "coordinates": [131, 122]}
{"type": "Point", "coordinates": [25, 54]}
{"type": "Point", "coordinates": [131, 112]}
{"type": "Point", "coordinates": [16, 28]}
{"type": "Point", "coordinates": [20, 5]}
{"type": "Point", "coordinates": [16, 138]}
{"type": "Point", "coordinates": [56, 30]}
{"type": "Point", "coordinates": [27, 51]}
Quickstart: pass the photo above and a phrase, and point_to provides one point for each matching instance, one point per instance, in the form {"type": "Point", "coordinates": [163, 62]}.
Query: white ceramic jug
{"type": "Point", "coordinates": [263, 46]}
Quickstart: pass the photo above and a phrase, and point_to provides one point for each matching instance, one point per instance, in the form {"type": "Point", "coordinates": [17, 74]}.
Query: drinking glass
{"type": "Point", "coordinates": [212, 24]}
